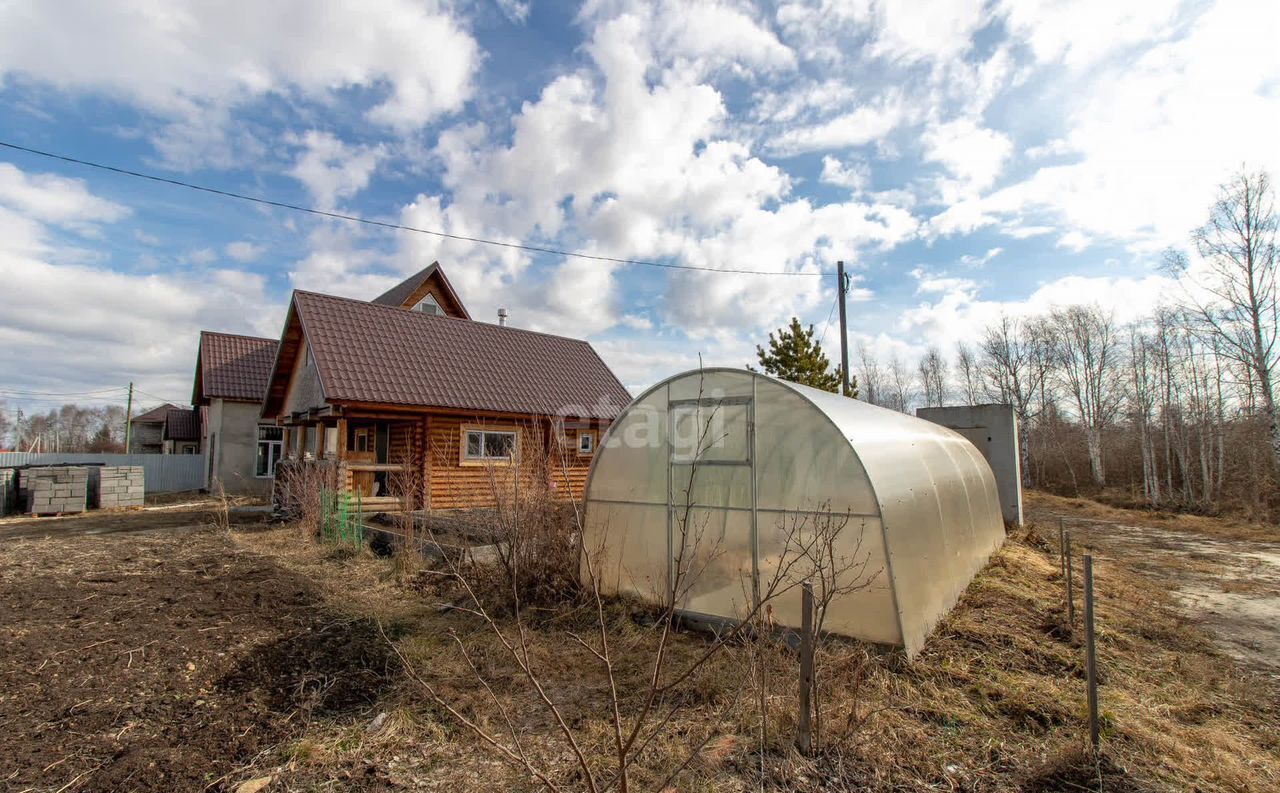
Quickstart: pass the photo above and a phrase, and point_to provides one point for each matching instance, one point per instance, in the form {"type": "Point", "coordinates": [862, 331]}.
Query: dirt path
{"type": "Point", "coordinates": [1229, 587]}
{"type": "Point", "coordinates": [159, 660]}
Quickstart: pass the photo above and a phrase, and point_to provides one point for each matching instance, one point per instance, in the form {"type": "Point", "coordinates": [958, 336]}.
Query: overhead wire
{"type": "Point", "coordinates": [386, 224]}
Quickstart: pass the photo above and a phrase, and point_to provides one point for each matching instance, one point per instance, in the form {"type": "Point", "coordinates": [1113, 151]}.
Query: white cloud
{"type": "Point", "coordinates": [1083, 32]}
{"type": "Point", "coordinates": [926, 29]}
{"type": "Point", "coordinates": [854, 175]}
{"type": "Point", "coordinates": [969, 260]}
{"type": "Point", "coordinates": [332, 170]}
{"type": "Point", "coordinates": [202, 256]}
{"type": "Point", "coordinates": [243, 250]}
{"type": "Point", "coordinates": [1074, 240]}
{"type": "Point", "coordinates": [868, 123]}
{"type": "Point", "coordinates": [48, 198]}
{"type": "Point", "coordinates": [974, 155]}
{"type": "Point", "coordinates": [515, 10]}
{"type": "Point", "coordinates": [70, 322]}
{"type": "Point", "coordinates": [190, 61]}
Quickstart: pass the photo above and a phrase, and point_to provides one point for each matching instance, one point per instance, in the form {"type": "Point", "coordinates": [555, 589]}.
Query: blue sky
{"type": "Point", "coordinates": [964, 158]}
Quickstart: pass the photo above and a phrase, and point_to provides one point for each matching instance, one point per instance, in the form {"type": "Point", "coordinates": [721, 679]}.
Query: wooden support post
{"type": "Point", "coordinates": [804, 739]}
{"type": "Point", "coordinates": [1090, 654]}
{"type": "Point", "coordinates": [1071, 595]}
{"type": "Point", "coordinates": [841, 287]}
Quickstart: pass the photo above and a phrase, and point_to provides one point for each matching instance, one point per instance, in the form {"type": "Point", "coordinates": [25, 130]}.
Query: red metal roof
{"type": "Point", "coordinates": [367, 352]}
{"type": "Point", "coordinates": [234, 367]}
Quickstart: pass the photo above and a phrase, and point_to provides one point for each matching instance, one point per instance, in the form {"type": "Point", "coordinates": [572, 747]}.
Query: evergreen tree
{"type": "Point", "coordinates": [794, 355]}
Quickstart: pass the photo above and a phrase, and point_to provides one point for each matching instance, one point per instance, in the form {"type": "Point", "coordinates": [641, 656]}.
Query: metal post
{"type": "Point", "coordinates": [1071, 595]}
{"type": "Point", "coordinates": [844, 335]}
{"type": "Point", "coordinates": [1090, 654]}
{"type": "Point", "coordinates": [1062, 548]}
{"type": "Point", "coordinates": [805, 738]}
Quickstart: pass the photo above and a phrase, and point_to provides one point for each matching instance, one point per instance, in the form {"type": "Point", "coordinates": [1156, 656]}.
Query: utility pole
{"type": "Point", "coordinates": [844, 336]}
{"type": "Point", "coordinates": [128, 419]}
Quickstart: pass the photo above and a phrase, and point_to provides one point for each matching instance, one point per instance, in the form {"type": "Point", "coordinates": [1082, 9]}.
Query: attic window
{"type": "Point", "coordinates": [428, 305]}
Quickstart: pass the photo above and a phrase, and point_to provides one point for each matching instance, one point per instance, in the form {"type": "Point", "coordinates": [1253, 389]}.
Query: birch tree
{"type": "Point", "coordinates": [1232, 295]}
{"type": "Point", "coordinates": [1088, 352]}
{"type": "Point", "coordinates": [933, 377]}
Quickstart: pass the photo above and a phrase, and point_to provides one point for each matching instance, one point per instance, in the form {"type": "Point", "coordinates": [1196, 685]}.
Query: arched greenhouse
{"type": "Point", "coordinates": [746, 479]}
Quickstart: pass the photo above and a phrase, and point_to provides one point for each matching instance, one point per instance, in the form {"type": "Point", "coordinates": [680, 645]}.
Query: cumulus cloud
{"type": "Point", "coordinates": [332, 170]}
{"type": "Point", "coordinates": [190, 62]}
{"type": "Point", "coordinates": [75, 323]}
{"type": "Point", "coordinates": [243, 250]}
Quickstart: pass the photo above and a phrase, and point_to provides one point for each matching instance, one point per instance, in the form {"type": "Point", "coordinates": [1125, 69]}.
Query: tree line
{"type": "Point", "coordinates": [1175, 410]}
{"type": "Point", "coordinates": [70, 428]}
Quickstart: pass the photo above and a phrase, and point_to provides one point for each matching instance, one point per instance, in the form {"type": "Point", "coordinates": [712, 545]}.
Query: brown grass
{"type": "Point", "coordinates": [995, 701]}
{"type": "Point", "coordinates": [1225, 528]}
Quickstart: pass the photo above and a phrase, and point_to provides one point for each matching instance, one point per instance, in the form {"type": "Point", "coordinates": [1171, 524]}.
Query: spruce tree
{"type": "Point", "coordinates": [794, 355]}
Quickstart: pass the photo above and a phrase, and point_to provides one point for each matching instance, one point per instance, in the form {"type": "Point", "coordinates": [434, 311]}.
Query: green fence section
{"type": "Point", "coordinates": [341, 518]}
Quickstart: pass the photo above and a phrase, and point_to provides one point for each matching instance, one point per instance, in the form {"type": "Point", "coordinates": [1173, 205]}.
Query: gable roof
{"type": "Point", "coordinates": [372, 353]}
{"type": "Point", "coordinates": [233, 367]}
{"type": "Point", "coordinates": [182, 424]}
{"type": "Point", "coordinates": [400, 294]}
{"type": "Point", "coordinates": [155, 415]}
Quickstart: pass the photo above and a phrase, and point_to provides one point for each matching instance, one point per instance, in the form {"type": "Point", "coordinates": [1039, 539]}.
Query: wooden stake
{"type": "Point", "coordinates": [804, 740]}
{"type": "Point", "coordinates": [1062, 548]}
{"type": "Point", "coordinates": [1090, 654]}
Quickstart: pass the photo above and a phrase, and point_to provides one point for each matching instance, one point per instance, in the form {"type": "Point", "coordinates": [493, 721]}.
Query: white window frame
{"type": "Point", "coordinates": [483, 458]}
{"type": "Point", "coordinates": [590, 437]}
{"type": "Point", "coordinates": [273, 454]}
{"type": "Point", "coordinates": [435, 305]}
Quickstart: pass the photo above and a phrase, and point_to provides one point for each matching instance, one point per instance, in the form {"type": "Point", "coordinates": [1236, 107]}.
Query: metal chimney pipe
{"type": "Point", "coordinates": [502, 317]}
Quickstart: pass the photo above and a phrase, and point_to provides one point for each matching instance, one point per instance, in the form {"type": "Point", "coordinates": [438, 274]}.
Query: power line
{"type": "Point", "coordinates": [17, 392]}
{"type": "Point", "coordinates": [827, 324]}
{"type": "Point", "coordinates": [385, 224]}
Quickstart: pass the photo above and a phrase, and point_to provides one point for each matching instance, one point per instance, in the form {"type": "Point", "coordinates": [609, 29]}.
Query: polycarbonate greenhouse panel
{"type": "Point", "coordinates": [731, 462]}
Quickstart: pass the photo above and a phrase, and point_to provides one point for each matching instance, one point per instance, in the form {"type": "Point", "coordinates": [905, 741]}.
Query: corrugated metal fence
{"type": "Point", "coordinates": [164, 473]}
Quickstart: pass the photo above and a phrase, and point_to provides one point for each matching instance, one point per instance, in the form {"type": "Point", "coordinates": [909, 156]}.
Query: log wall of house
{"type": "Point", "coordinates": [453, 484]}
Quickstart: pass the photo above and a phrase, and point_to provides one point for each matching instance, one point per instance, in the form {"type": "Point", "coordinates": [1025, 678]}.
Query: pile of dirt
{"type": "Point", "coordinates": [165, 662]}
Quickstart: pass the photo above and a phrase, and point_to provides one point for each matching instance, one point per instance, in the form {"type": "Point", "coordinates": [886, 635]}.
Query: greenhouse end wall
{"type": "Point", "coordinates": [711, 476]}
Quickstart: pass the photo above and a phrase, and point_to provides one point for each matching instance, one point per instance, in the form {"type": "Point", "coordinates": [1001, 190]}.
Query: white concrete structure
{"type": "Point", "coordinates": [735, 457]}
{"type": "Point", "coordinates": [994, 430]}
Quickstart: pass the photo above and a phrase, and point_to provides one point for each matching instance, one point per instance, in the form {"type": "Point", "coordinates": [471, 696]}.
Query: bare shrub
{"type": "Point", "coordinates": [300, 486]}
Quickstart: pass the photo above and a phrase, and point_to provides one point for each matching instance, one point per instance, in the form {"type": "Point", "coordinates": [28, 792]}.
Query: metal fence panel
{"type": "Point", "coordinates": [165, 473]}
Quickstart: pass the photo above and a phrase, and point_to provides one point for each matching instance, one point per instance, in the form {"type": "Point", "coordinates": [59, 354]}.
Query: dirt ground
{"type": "Point", "coordinates": [148, 651]}
{"type": "Point", "coordinates": [162, 659]}
{"type": "Point", "coordinates": [1227, 579]}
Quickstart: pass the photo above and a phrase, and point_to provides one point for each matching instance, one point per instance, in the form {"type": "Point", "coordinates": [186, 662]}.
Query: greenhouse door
{"type": "Point", "coordinates": [712, 548]}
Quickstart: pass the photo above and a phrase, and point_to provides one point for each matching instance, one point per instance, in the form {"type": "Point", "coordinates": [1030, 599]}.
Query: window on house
{"type": "Point", "coordinates": [489, 445]}
{"type": "Point", "coordinates": [586, 443]}
{"type": "Point", "coordinates": [270, 447]}
{"type": "Point", "coordinates": [428, 305]}
{"type": "Point", "coordinates": [362, 440]}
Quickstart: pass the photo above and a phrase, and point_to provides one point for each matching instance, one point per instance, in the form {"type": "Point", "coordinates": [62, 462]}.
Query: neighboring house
{"type": "Point", "coordinates": [146, 435]}
{"type": "Point", "coordinates": [420, 407]}
{"type": "Point", "coordinates": [231, 378]}
{"type": "Point", "coordinates": [182, 431]}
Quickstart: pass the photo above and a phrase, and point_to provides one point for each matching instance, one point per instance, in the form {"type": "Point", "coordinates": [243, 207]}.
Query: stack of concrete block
{"type": "Point", "coordinates": [57, 490]}
{"type": "Point", "coordinates": [120, 486]}
{"type": "Point", "coordinates": [8, 491]}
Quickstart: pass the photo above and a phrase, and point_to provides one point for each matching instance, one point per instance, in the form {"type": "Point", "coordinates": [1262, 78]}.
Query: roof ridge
{"type": "Point", "coordinates": [238, 335]}
{"type": "Point", "coordinates": [433, 317]}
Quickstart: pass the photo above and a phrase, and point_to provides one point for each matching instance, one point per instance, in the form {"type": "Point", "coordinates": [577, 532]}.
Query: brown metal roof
{"type": "Point", "coordinates": [156, 415]}
{"type": "Point", "coordinates": [234, 367]}
{"type": "Point", "coordinates": [182, 424]}
{"type": "Point", "coordinates": [379, 354]}
{"type": "Point", "coordinates": [401, 292]}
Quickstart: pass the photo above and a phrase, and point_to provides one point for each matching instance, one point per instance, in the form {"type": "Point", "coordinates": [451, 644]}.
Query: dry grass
{"type": "Point", "coordinates": [1224, 528]}
{"type": "Point", "coordinates": [995, 701]}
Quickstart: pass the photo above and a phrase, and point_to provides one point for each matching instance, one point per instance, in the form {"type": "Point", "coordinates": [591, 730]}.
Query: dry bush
{"type": "Point", "coordinates": [298, 490]}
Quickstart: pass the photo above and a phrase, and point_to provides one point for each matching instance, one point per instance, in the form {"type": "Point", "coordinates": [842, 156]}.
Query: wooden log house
{"type": "Point", "coordinates": [419, 407]}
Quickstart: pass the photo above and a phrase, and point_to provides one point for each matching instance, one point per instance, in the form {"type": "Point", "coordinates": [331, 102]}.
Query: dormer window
{"type": "Point", "coordinates": [428, 305]}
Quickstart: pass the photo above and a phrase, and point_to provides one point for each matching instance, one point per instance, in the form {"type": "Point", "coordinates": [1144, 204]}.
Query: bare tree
{"type": "Point", "coordinates": [1233, 298]}
{"type": "Point", "coordinates": [970, 380]}
{"type": "Point", "coordinates": [1087, 356]}
{"type": "Point", "coordinates": [1143, 383]}
{"type": "Point", "coordinates": [933, 377]}
{"type": "Point", "coordinates": [870, 375]}
{"type": "Point", "coordinates": [1014, 367]}
{"type": "Point", "coordinates": [5, 423]}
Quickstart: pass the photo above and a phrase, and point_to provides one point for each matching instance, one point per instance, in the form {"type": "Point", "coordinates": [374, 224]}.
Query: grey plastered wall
{"type": "Point", "coordinates": [234, 425]}
{"type": "Point", "coordinates": [994, 430]}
